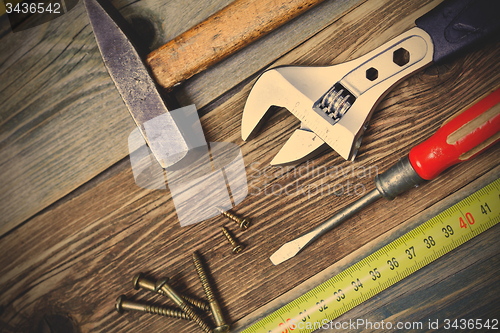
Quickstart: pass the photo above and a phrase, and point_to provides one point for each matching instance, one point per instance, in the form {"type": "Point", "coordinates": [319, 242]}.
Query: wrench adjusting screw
{"type": "Point", "coordinates": [222, 327]}
{"type": "Point", "coordinates": [243, 223]}
{"type": "Point", "coordinates": [123, 304]}
{"type": "Point", "coordinates": [237, 247]}
{"type": "Point", "coordinates": [140, 281]}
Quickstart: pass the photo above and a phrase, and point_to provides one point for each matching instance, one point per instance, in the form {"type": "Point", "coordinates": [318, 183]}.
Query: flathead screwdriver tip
{"type": "Point", "coordinates": [280, 256]}
{"type": "Point", "coordinates": [290, 249]}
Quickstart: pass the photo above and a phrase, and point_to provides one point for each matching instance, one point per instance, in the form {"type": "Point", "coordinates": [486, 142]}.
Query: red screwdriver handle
{"type": "Point", "coordinates": [459, 139]}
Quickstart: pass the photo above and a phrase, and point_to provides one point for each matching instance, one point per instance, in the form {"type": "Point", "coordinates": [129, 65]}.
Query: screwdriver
{"type": "Point", "coordinates": [459, 139]}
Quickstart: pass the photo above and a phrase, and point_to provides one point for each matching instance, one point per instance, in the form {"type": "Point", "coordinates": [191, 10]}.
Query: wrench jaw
{"type": "Point", "coordinates": [277, 87]}
{"type": "Point", "coordinates": [301, 146]}
{"type": "Point", "coordinates": [294, 88]}
{"type": "Point", "coordinates": [263, 96]}
{"type": "Point", "coordinates": [346, 134]}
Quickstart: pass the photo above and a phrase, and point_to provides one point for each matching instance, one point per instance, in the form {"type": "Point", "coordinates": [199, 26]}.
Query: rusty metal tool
{"type": "Point", "coordinates": [459, 139]}
{"type": "Point", "coordinates": [222, 34]}
{"type": "Point", "coordinates": [335, 103]}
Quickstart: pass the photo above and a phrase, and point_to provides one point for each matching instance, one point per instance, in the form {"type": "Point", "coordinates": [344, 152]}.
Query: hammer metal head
{"type": "Point", "coordinates": [134, 83]}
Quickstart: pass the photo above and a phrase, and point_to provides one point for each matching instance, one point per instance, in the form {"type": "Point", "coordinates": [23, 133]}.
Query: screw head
{"type": "Point", "coordinates": [222, 329]}
{"type": "Point", "coordinates": [160, 283]}
{"type": "Point", "coordinates": [244, 224]}
{"type": "Point", "coordinates": [119, 302]}
{"type": "Point", "coordinates": [238, 248]}
{"type": "Point", "coordinates": [135, 280]}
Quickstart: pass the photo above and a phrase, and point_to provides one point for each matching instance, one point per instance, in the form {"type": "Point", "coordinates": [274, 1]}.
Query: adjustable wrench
{"type": "Point", "coordinates": [335, 103]}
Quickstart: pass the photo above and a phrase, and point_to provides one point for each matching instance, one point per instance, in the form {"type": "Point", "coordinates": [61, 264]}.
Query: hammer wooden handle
{"type": "Point", "coordinates": [220, 35]}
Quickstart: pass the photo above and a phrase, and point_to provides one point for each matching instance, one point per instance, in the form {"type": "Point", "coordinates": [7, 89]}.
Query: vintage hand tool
{"type": "Point", "coordinates": [335, 103]}
{"type": "Point", "coordinates": [224, 33]}
{"type": "Point", "coordinates": [458, 140]}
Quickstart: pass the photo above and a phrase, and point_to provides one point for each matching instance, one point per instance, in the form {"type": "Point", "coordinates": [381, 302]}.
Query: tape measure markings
{"type": "Point", "coordinates": [388, 265]}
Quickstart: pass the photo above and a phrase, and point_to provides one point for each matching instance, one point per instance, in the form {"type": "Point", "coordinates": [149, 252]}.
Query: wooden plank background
{"type": "Point", "coordinates": [75, 228]}
{"type": "Point", "coordinates": [62, 120]}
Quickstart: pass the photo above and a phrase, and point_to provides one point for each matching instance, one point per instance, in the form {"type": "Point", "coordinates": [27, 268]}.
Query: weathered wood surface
{"type": "Point", "coordinates": [62, 120]}
{"type": "Point", "coordinates": [77, 255]}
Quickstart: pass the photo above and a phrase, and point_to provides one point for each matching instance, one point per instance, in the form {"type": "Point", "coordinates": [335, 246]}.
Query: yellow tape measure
{"type": "Point", "coordinates": [387, 266]}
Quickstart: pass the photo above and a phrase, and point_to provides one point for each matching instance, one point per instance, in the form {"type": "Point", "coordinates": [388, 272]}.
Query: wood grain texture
{"type": "Point", "coordinates": [49, 90]}
{"type": "Point", "coordinates": [222, 34]}
{"type": "Point", "coordinates": [62, 121]}
{"type": "Point", "coordinates": [77, 255]}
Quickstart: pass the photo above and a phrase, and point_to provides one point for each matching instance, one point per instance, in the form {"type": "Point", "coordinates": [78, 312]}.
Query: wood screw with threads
{"type": "Point", "coordinates": [123, 304]}
{"type": "Point", "coordinates": [237, 248]}
{"type": "Point", "coordinates": [140, 281]}
{"type": "Point", "coordinates": [242, 223]}
{"type": "Point", "coordinates": [179, 301]}
{"type": "Point", "coordinates": [222, 327]}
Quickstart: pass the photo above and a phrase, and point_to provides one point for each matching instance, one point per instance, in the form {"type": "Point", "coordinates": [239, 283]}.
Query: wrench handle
{"type": "Point", "coordinates": [459, 139]}
{"type": "Point", "coordinates": [219, 36]}
{"type": "Point", "coordinates": [455, 25]}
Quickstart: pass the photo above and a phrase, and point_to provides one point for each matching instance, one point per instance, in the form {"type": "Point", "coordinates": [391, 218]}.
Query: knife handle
{"type": "Point", "coordinates": [455, 25]}
{"type": "Point", "coordinates": [459, 139]}
{"type": "Point", "coordinates": [219, 36]}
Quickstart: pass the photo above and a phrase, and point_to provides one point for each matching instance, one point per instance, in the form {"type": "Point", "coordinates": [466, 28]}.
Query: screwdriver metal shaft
{"type": "Point", "coordinates": [291, 249]}
{"type": "Point", "coordinates": [396, 180]}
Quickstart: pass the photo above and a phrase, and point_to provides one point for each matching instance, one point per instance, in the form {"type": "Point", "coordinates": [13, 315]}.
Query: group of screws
{"type": "Point", "coordinates": [184, 303]}
{"type": "Point", "coordinates": [241, 222]}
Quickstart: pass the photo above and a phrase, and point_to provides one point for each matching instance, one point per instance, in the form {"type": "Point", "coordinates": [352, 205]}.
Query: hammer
{"type": "Point", "coordinates": [220, 35]}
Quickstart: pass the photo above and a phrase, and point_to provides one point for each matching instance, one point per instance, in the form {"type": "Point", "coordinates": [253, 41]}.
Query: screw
{"type": "Point", "coordinates": [139, 281]}
{"type": "Point", "coordinates": [174, 296]}
{"type": "Point", "coordinates": [122, 304]}
{"type": "Point", "coordinates": [243, 223]}
{"type": "Point", "coordinates": [222, 327]}
{"type": "Point", "coordinates": [237, 248]}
